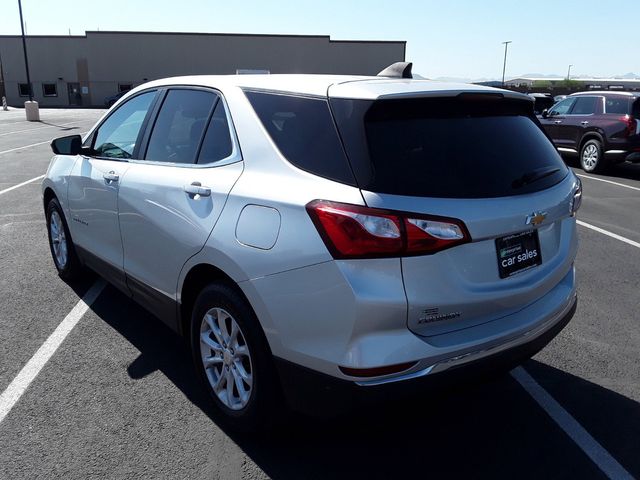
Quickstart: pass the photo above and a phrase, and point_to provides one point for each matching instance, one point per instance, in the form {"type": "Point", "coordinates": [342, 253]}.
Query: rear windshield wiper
{"type": "Point", "coordinates": [534, 176]}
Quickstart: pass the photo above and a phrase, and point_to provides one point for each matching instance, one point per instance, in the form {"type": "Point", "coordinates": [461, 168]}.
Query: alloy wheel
{"type": "Point", "coordinates": [590, 156]}
{"type": "Point", "coordinates": [58, 240]}
{"type": "Point", "coordinates": [226, 358]}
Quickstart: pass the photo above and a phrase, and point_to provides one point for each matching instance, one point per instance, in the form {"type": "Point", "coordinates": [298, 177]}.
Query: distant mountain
{"type": "Point", "coordinates": [538, 75]}
{"type": "Point", "coordinates": [464, 79]}
{"type": "Point", "coordinates": [453, 79]}
{"type": "Point", "coordinates": [628, 76]}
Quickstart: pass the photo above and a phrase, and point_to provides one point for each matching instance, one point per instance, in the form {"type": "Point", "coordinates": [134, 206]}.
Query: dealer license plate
{"type": "Point", "coordinates": [518, 252]}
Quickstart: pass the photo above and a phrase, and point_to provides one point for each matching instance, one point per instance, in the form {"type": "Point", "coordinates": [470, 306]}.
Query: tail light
{"type": "Point", "coordinates": [631, 123]}
{"type": "Point", "coordinates": [352, 231]}
{"type": "Point", "coordinates": [576, 201]}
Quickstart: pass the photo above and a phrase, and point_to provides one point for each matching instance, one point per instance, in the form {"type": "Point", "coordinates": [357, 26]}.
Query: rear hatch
{"type": "Point", "coordinates": [480, 158]}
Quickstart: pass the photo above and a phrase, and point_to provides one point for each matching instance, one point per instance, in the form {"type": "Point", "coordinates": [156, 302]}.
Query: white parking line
{"type": "Point", "coordinates": [608, 233]}
{"type": "Point", "coordinates": [26, 146]}
{"type": "Point", "coordinates": [30, 371]}
{"type": "Point", "coordinates": [38, 128]}
{"type": "Point", "coordinates": [608, 181]}
{"type": "Point", "coordinates": [571, 427]}
{"type": "Point", "coordinates": [20, 184]}
{"type": "Point", "coordinates": [11, 123]}
{"type": "Point", "coordinates": [33, 145]}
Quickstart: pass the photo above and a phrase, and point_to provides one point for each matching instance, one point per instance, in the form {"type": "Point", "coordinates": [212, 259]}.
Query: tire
{"type": "Point", "coordinates": [220, 305]}
{"type": "Point", "coordinates": [591, 157]}
{"type": "Point", "coordinates": [61, 245]}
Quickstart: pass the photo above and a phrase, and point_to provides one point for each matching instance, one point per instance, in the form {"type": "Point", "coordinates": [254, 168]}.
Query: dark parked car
{"type": "Point", "coordinates": [542, 101]}
{"type": "Point", "coordinates": [109, 101]}
{"type": "Point", "coordinates": [602, 127]}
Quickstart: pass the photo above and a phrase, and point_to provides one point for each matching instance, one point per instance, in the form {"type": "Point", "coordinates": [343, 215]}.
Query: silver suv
{"type": "Point", "coordinates": [320, 235]}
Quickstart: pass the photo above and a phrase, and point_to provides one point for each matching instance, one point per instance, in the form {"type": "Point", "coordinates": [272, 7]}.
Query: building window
{"type": "Point", "coordinates": [23, 89]}
{"type": "Point", "coordinates": [50, 89]}
{"type": "Point", "coordinates": [124, 87]}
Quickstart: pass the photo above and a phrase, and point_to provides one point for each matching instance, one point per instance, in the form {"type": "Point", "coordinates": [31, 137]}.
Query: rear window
{"type": "Point", "coordinates": [303, 130]}
{"type": "Point", "coordinates": [460, 147]}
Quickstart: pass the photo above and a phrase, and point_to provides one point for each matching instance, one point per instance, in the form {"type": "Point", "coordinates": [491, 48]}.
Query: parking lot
{"type": "Point", "coordinates": [118, 398]}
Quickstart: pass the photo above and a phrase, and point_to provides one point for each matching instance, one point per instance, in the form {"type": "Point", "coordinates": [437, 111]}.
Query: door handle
{"type": "Point", "coordinates": [584, 123]}
{"type": "Point", "coordinates": [111, 176]}
{"type": "Point", "coordinates": [196, 190]}
{"type": "Point", "coordinates": [557, 122]}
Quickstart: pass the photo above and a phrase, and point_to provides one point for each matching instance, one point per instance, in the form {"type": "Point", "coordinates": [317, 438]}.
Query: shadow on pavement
{"type": "Point", "coordinates": [630, 171]}
{"type": "Point", "coordinates": [493, 429]}
{"type": "Point", "coordinates": [63, 128]}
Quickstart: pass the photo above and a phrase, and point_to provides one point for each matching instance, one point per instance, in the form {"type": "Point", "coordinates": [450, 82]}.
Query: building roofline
{"type": "Point", "coordinates": [44, 36]}
{"type": "Point", "coordinates": [213, 34]}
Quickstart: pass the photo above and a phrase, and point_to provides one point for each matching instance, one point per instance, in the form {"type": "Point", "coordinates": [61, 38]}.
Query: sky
{"type": "Point", "coordinates": [455, 38]}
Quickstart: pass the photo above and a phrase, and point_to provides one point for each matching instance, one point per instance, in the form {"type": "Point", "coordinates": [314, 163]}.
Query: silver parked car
{"type": "Point", "coordinates": [316, 235]}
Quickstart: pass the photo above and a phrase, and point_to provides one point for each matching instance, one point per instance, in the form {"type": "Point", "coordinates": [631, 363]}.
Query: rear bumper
{"type": "Point", "coordinates": [633, 157]}
{"type": "Point", "coordinates": [316, 393]}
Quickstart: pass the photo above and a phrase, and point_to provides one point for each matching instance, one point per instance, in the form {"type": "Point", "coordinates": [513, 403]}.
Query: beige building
{"type": "Point", "coordinates": [85, 70]}
{"type": "Point", "coordinates": [582, 83]}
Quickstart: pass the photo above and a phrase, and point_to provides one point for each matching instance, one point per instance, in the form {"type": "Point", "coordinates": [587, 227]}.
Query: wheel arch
{"type": "Point", "coordinates": [590, 136]}
{"type": "Point", "coordinates": [47, 195]}
{"type": "Point", "coordinates": [197, 278]}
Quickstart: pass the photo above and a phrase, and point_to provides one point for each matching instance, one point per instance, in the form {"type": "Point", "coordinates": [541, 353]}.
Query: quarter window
{"type": "Point", "coordinates": [585, 106]}
{"type": "Point", "coordinates": [618, 105]}
{"type": "Point", "coordinates": [304, 132]}
{"type": "Point", "coordinates": [563, 107]}
{"type": "Point", "coordinates": [217, 141]}
{"type": "Point", "coordinates": [118, 135]}
{"type": "Point", "coordinates": [180, 125]}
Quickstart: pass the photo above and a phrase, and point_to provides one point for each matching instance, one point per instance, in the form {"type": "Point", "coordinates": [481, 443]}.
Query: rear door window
{"type": "Point", "coordinates": [447, 147]}
{"type": "Point", "coordinates": [180, 125]}
{"type": "Point", "coordinates": [584, 106]}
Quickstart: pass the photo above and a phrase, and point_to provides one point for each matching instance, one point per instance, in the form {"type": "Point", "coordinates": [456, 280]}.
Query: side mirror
{"type": "Point", "coordinates": [545, 113]}
{"type": "Point", "coordinates": [71, 145]}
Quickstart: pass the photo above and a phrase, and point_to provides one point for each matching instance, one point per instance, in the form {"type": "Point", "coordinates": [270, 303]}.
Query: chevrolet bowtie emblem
{"type": "Point", "coordinates": [536, 218]}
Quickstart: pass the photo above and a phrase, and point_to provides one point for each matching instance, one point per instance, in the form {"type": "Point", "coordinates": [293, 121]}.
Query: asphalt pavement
{"type": "Point", "coordinates": [119, 399]}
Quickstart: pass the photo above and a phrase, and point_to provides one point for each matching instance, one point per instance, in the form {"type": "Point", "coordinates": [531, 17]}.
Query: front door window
{"type": "Point", "coordinates": [118, 135]}
{"type": "Point", "coordinates": [563, 107]}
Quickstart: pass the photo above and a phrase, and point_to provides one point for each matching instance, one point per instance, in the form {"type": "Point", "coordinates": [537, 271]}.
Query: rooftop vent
{"type": "Point", "coordinates": [397, 70]}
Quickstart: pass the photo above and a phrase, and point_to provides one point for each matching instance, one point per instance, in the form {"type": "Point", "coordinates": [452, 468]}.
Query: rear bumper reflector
{"type": "Point", "coordinates": [377, 371]}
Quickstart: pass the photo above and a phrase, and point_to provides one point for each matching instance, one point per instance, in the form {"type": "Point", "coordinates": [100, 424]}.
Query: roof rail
{"type": "Point", "coordinates": [397, 70]}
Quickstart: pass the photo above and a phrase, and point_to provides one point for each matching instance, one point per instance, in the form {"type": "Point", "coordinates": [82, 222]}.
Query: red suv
{"type": "Point", "coordinates": [602, 127]}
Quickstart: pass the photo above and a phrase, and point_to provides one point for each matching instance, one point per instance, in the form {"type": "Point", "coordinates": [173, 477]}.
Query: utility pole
{"type": "Point", "coordinates": [569, 72]}
{"type": "Point", "coordinates": [30, 107]}
{"type": "Point", "coordinates": [2, 89]}
{"type": "Point", "coordinates": [504, 66]}
{"type": "Point", "coordinates": [24, 49]}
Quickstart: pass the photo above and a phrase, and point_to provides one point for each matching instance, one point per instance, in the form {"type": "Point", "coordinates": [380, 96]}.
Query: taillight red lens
{"type": "Point", "coordinates": [631, 125]}
{"type": "Point", "coordinates": [353, 231]}
{"type": "Point", "coordinates": [433, 236]}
